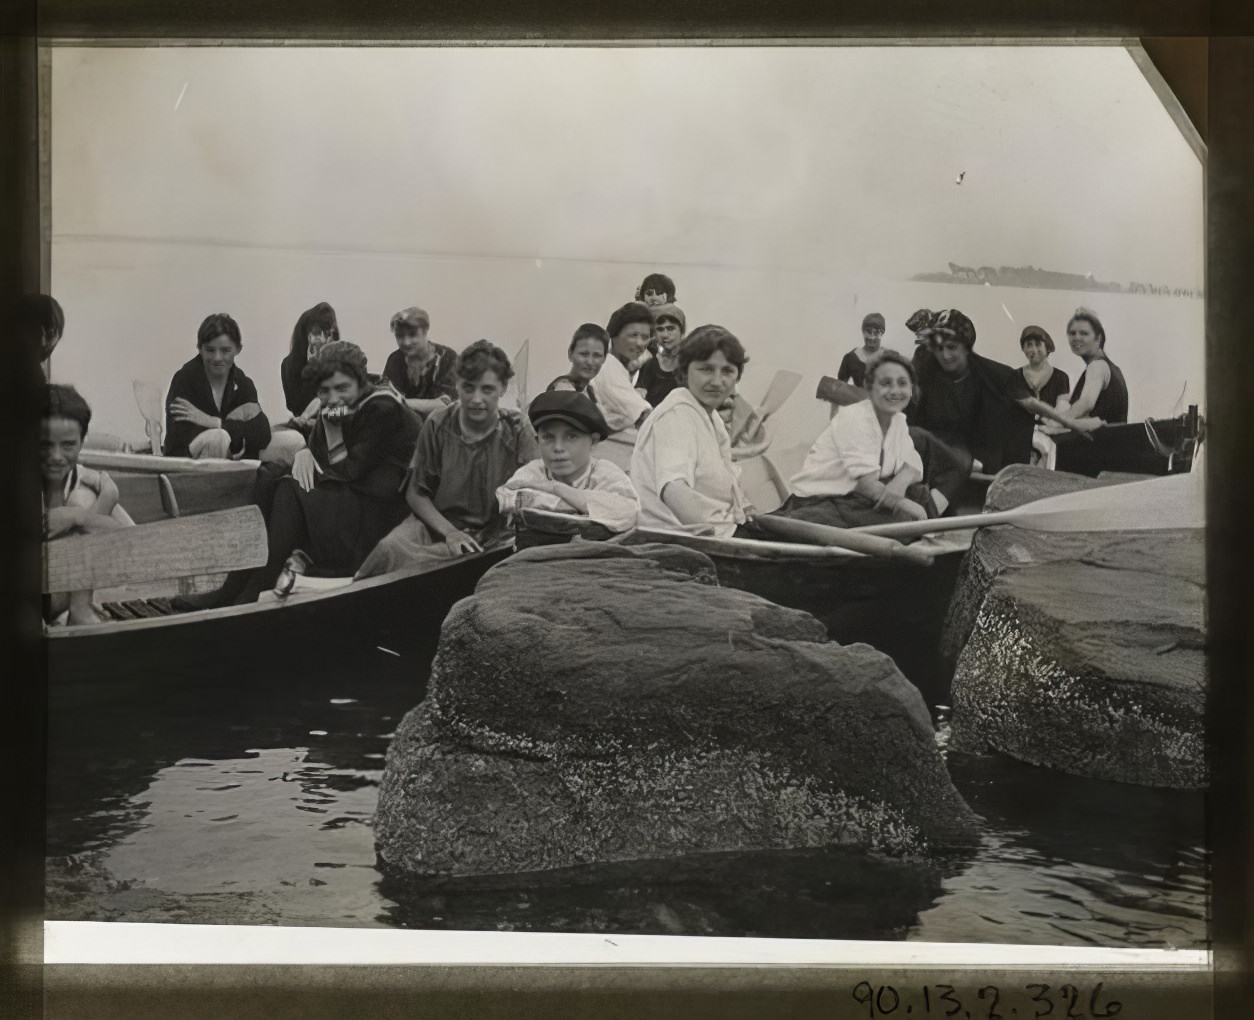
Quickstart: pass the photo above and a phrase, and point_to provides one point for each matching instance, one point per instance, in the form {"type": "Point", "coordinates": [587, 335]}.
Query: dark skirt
{"type": "Point", "coordinates": [849, 511]}
{"type": "Point", "coordinates": [334, 524]}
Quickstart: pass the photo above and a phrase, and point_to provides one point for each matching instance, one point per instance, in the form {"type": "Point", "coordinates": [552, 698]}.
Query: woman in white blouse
{"type": "Point", "coordinates": [864, 468]}
{"type": "Point", "coordinates": [682, 466]}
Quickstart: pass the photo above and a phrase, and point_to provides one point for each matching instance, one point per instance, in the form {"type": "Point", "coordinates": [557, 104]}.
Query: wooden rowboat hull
{"type": "Point", "coordinates": [389, 620]}
{"type": "Point", "coordinates": [898, 607]}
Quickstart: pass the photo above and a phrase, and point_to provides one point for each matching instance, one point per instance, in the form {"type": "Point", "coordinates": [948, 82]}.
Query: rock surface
{"type": "Point", "coordinates": [593, 703]}
{"type": "Point", "coordinates": [1082, 652]}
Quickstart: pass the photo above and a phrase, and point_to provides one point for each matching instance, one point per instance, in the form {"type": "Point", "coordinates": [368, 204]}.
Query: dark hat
{"type": "Point", "coordinates": [873, 321]}
{"type": "Point", "coordinates": [671, 311]}
{"type": "Point", "coordinates": [919, 321]}
{"type": "Point", "coordinates": [1036, 333]}
{"type": "Point", "coordinates": [571, 407]}
{"type": "Point", "coordinates": [343, 350]}
{"type": "Point", "coordinates": [414, 317]}
{"type": "Point", "coordinates": [951, 323]}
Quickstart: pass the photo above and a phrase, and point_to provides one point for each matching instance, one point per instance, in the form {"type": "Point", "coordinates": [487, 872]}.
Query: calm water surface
{"type": "Point", "coordinates": [254, 805]}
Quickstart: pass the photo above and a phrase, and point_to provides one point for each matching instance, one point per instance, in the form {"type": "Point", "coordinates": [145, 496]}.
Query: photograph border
{"type": "Point", "coordinates": [561, 991]}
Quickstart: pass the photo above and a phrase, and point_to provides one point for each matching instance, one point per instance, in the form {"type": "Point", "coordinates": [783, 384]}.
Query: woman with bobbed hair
{"type": "Point", "coordinates": [1100, 396]}
{"type": "Point", "coordinates": [865, 468]}
{"type": "Point", "coordinates": [315, 328]}
{"type": "Point", "coordinates": [682, 464]}
{"type": "Point", "coordinates": [630, 329]}
{"type": "Point", "coordinates": [344, 492]}
{"type": "Point", "coordinates": [211, 407]}
{"type": "Point", "coordinates": [464, 453]}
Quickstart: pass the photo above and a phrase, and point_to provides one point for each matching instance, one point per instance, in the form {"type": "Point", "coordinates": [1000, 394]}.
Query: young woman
{"type": "Point", "coordinates": [630, 329]}
{"type": "Point", "coordinates": [1040, 378]}
{"type": "Point", "coordinates": [588, 349]}
{"type": "Point", "coordinates": [464, 452]}
{"type": "Point", "coordinates": [75, 499]}
{"type": "Point", "coordinates": [423, 372]}
{"type": "Point", "coordinates": [1100, 396]}
{"type": "Point", "coordinates": [656, 289]}
{"type": "Point", "coordinates": [211, 407]}
{"type": "Point", "coordinates": [853, 365]}
{"type": "Point", "coordinates": [682, 465]}
{"type": "Point", "coordinates": [344, 492]}
{"type": "Point", "coordinates": [315, 327]}
{"type": "Point", "coordinates": [864, 468]}
{"type": "Point", "coordinates": [658, 375]}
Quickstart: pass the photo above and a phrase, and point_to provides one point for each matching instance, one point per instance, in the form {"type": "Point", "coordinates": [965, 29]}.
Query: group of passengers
{"type": "Point", "coordinates": [375, 473]}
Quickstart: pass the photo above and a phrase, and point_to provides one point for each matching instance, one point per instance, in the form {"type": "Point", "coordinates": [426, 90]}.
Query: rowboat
{"type": "Point", "coordinates": [390, 619]}
{"type": "Point", "coordinates": [152, 487]}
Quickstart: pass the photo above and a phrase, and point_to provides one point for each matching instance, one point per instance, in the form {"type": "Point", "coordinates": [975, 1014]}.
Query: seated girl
{"type": "Point", "coordinates": [656, 289]}
{"type": "Point", "coordinates": [1044, 383]}
{"type": "Point", "coordinates": [864, 468]}
{"type": "Point", "coordinates": [658, 375]}
{"type": "Point", "coordinates": [315, 328]}
{"type": "Point", "coordinates": [344, 492]}
{"type": "Point", "coordinates": [1100, 396]}
{"type": "Point", "coordinates": [75, 499]}
{"type": "Point", "coordinates": [568, 478]}
{"type": "Point", "coordinates": [630, 329]}
{"type": "Point", "coordinates": [853, 364]}
{"type": "Point", "coordinates": [464, 453]}
{"type": "Point", "coordinates": [422, 371]}
{"type": "Point", "coordinates": [211, 407]}
{"type": "Point", "coordinates": [587, 352]}
{"type": "Point", "coordinates": [682, 464]}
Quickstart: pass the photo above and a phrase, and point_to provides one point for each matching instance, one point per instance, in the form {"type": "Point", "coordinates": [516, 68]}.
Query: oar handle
{"type": "Point", "coordinates": [916, 529]}
{"type": "Point", "coordinates": [858, 541]}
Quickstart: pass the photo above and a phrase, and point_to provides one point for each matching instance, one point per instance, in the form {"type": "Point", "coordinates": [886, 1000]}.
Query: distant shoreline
{"type": "Point", "coordinates": [1048, 279]}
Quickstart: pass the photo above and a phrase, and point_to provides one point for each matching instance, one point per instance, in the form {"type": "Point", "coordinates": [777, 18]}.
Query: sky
{"type": "Point", "coordinates": [515, 193]}
{"type": "Point", "coordinates": [830, 159]}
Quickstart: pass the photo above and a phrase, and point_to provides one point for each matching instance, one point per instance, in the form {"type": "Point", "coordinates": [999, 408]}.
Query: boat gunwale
{"type": "Point", "coordinates": [64, 633]}
{"type": "Point", "coordinates": [159, 464]}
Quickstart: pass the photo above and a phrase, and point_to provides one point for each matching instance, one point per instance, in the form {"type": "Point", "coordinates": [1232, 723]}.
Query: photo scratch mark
{"type": "Point", "coordinates": [1007, 311]}
{"type": "Point", "coordinates": [388, 650]}
{"type": "Point", "coordinates": [179, 102]}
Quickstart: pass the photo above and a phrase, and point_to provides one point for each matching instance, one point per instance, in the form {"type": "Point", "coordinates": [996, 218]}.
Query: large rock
{"type": "Point", "coordinates": [592, 703]}
{"type": "Point", "coordinates": [1082, 652]}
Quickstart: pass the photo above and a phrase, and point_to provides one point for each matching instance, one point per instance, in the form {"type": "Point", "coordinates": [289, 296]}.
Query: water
{"type": "Point", "coordinates": [255, 808]}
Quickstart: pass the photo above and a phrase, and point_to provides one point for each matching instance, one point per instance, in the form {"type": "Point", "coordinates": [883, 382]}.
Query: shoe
{"type": "Point", "coordinates": [297, 564]}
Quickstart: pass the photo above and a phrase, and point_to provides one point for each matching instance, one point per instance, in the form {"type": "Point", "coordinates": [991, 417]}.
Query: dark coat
{"type": "Point", "coordinates": [1001, 432]}
{"type": "Point", "coordinates": [191, 383]}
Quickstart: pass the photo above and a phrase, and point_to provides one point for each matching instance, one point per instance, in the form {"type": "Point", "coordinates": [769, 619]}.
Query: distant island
{"type": "Point", "coordinates": [1048, 279]}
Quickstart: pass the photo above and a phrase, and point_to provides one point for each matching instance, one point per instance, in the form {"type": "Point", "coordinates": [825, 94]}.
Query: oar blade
{"type": "Point", "coordinates": [1155, 504]}
{"type": "Point", "coordinates": [778, 392]}
{"type": "Point", "coordinates": [232, 539]}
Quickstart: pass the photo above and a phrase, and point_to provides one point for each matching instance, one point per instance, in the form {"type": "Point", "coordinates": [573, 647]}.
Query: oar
{"type": "Point", "coordinates": [842, 394]}
{"type": "Point", "coordinates": [152, 407]}
{"type": "Point", "coordinates": [520, 375]}
{"type": "Point", "coordinates": [204, 543]}
{"type": "Point", "coordinates": [846, 538]}
{"type": "Point", "coordinates": [1176, 501]}
{"type": "Point", "coordinates": [777, 393]}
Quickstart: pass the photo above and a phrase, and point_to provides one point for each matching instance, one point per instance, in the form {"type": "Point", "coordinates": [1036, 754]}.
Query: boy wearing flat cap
{"type": "Point", "coordinates": [568, 479]}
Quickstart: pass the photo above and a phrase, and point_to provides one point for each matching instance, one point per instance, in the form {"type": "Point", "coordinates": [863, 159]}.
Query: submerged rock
{"type": "Point", "coordinates": [1082, 652]}
{"type": "Point", "coordinates": [593, 703]}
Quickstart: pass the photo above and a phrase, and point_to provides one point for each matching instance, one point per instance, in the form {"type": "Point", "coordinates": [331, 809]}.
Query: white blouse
{"type": "Point", "coordinates": [852, 446]}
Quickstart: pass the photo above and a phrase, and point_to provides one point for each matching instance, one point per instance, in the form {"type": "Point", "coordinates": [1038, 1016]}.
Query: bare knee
{"type": "Point", "coordinates": [215, 443]}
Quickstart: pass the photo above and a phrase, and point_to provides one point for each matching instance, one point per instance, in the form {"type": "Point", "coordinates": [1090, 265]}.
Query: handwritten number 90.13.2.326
{"type": "Point", "coordinates": [1028, 1002]}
